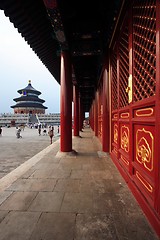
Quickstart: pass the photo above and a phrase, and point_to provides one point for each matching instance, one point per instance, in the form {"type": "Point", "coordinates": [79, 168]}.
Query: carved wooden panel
{"type": "Point", "coordinates": [144, 158]}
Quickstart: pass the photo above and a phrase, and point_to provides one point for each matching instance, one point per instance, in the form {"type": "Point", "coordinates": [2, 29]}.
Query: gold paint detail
{"type": "Point", "coordinates": [124, 115]}
{"type": "Point", "coordinates": [125, 138]}
{"type": "Point", "coordinates": [115, 133]}
{"type": "Point", "coordinates": [145, 112]}
{"type": "Point", "coordinates": [125, 160]}
{"type": "Point", "coordinates": [129, 88]}
{"type": "Point", "coordinates": [115, 150]}
{"type": "Point", "coordinates": [115, 116]}
{"type": "Point", "coordinates": [144, 182]}
{"type": "Point", "coordinates": [144, 150]}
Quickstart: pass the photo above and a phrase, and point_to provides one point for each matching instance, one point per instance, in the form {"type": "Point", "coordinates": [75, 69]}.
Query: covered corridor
{"type": "Point", "coordinates": [106, 57]}
{"type": "Point", "coordinates": [70, 197]}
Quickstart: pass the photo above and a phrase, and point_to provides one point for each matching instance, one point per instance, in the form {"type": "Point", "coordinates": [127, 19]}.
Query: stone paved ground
{"type": "Point", "coordinates": [55, 196]}
{"type": "Point", "coordinates": [13, 151]}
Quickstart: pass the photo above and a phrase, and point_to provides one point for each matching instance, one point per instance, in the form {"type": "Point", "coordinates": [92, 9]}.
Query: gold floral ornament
{"type": "Point", "coordinates": [115, 133]}
{"type": "Point", "coordinates": [144, 148]}
{"type": "Point", "coordinates": [125, 138]}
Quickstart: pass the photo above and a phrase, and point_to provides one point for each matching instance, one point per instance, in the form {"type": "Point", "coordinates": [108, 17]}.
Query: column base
{"type": "Point", "coordinates": [72, 153]}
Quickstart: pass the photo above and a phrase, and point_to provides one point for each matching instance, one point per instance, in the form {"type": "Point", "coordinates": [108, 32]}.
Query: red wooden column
{"type": "Point", "coordinates": [66, 103]}
{"type": "Point", "coordinates": [80, 114]}
{"type": "Point", "coordinates": [105, 114]}
{"type": "Point", "coordinates": [91, 117]}
{"type": "Point", "coordinates": [76, 110]}
{"type": "Point", "coordinates": [96, 114]}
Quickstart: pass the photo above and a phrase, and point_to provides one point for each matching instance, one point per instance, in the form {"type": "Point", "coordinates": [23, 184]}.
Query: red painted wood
{"type": "Point", "coordinates": [96, 114]}
{"type": "Point", "coordinates": [157, 111]}
{"type": "Point", "coordinates": [76, 110]}
{"type": "Point", "coordinates": [50, 4]}
{"type": "Point", "coordinates": [136, 125]}
{"type": "Point", "coordinates": [105, 116]}
{"type": "Point", "coordinates": [66, 104]}
{"type": "Point", "coordinates": [80, 114]}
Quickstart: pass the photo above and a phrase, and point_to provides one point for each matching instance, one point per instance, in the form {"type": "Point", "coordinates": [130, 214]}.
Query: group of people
{"type": "Point", "coordinates": [50, 131]}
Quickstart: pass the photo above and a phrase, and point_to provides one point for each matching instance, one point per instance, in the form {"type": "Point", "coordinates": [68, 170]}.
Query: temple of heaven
{"type": "Point", "coordinates": [29, 102]}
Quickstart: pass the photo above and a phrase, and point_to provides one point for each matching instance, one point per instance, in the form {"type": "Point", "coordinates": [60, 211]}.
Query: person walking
{"type": "Point", "coordinates": [0, 131]}
{"type": "Point", "coordinates": [51, 133]}
{"type": "Point", "coordinates": [39, 129]}
{"type": "Point", "coordinates": [18, 132]}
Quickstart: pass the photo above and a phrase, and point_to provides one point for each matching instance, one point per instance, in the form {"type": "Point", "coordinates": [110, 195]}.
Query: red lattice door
{"type": "Point", "coordinates": [135, 91]}
{"type": "Point", "coordinates": [144, 90]}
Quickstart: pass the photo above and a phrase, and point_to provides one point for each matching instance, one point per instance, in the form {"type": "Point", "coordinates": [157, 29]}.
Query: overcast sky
{"type": "Point", "coordinates": [18, 64]}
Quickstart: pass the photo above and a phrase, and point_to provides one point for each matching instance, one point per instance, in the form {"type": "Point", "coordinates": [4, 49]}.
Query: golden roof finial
{"type": "Point", "coordinates": [29, 81]}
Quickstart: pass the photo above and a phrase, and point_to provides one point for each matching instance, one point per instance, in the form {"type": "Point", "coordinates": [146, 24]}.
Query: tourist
{"type": "Point", "coordinates": [51, 133]}
{"type": "Point", "coordinates": [0, 131]}
{"type": "Point", "coordinates": [18, 132]}
{"type": "Point", "coordinates": [39, 129]}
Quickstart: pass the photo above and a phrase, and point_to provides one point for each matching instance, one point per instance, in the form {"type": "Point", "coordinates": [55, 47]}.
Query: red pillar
{"type": "Point", "coordinates": [80, 114]}
{"type": "Point", "coordinates": [66, 103]}
{"type": "Point", "coordinates": [96, 114]}
{"type": "Point", "coordinates": [76, 110]}
{"type": "Point", "coordinates": [105, 116]}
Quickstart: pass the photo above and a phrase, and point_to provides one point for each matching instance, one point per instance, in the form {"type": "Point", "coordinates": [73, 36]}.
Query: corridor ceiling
{"type": "Point", "coordinates": [82, 27]}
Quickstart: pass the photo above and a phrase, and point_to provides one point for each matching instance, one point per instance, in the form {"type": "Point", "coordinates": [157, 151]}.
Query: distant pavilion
{"type": "Point", "coordinates": [29, 101]}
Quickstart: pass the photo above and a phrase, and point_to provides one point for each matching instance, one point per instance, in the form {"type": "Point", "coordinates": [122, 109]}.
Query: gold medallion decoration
{"type": "Point", "coordinates": [115, 133]}
{"type": "Point", "coordinates": [144, 148]}
{"type": "Point", "coordinates": [125, 138]}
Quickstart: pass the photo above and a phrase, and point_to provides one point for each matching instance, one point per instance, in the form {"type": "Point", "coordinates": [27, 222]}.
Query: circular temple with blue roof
{"type": "Point", "coordinates": [29, 101]}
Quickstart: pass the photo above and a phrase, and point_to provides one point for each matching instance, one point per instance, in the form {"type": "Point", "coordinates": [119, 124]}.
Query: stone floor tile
{"type": "Point", "coordinates": [20, 185]}
{"type": "Point", "coordinates": [47, 202]}
{"type": "Point", "coordinates": [44, 166]}
{"type": "Point", "coordinates": [102, 202]}
{"type": "Point", "coordinates": [95, 227]}
{"type": "Point", "coordinates": [70, 166]}
{"type": "Point", "coordinates": [134, 226]}
{"type": "Point", "coordinates": [61, 173]}
{"type": "Point", "coordinates": [67, 185]}
{"type": "Point", "coordinates": [18, 201]}
{"type": "Point", "coordinates": [3, 214]}
{"type": "Point", "coordinates": [33, 184]}
{"type": "Point", "coordinates": [52, 226]}
{"type": "Point", "coordinates": [77, 203]}
{"type": "Point", "coordinates": [28, 173]}
{"type": "Point", "coordinates": [79, 174]}
{"type": "Point", "coordinates": [87, 186]}
{"type": "Point", "coordinates": [50, 159]}
{"type": "Point", "coordinates": [124, 202]}
{"type": "Point", "coordinates": [101, 174]}
{"type": "Point", "coordinates": [42, 173]}
{"type": "Point", "coordinates": [4, 195]}
{"type": "Point", "coordinates": [40, 185]}
{"type": "Point", "coordinates": [18, 225]}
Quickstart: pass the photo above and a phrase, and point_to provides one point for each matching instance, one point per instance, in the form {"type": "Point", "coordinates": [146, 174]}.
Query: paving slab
{"type": "Point", "coordinates": [70, 197]}
{"type": "Point", "coordinates": [15, 151]}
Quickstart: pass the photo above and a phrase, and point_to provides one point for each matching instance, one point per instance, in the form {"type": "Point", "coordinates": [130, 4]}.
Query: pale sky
{"type": "Point", "coordinates": [18, 64]}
